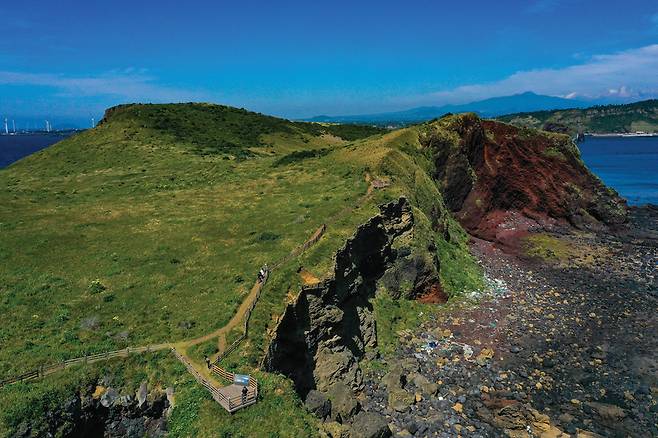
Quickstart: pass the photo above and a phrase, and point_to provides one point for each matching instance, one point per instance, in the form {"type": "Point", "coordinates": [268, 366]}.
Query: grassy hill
{"type": "Point", "coordinates": [151, 228]}
{"type": "Point", "coordinates": [638, 116]}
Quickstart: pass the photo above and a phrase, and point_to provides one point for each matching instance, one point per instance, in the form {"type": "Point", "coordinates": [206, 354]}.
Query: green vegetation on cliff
{"type": "Point", "coordinates": [633, 117]}
{"type": "Point", "coordinates": [151, 227]}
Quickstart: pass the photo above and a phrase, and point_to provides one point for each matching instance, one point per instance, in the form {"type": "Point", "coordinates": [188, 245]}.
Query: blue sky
{"type": "Point", "coordinates": [72, 59]}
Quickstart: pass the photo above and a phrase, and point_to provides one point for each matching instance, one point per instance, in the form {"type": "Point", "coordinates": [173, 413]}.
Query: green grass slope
{"type": "Point", "coordinates": [151, 227]}
{"type": "Point", "coordinates": [639, 116]}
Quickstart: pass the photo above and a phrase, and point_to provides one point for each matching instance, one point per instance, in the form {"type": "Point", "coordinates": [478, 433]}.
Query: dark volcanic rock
{"type": "Point", "coordinates": [370, 425]}
{"type": "Point", "coordinates": [344, 404]}
{"type": "Point", "coordinates": [330, 326]}
{"type": "Point", "coordinates": [318, 404]}
{"type": "Point", "coordinates": [570, 346]}
{"type": "Point", "coordinates": [110, 415]}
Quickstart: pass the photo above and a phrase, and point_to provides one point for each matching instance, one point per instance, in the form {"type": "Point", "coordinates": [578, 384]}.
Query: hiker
{"type": "Point", "coordinates": [207, 361]}
{"type": "Point", "coordinates": [263, 273]}
{"type": "Point", "coordinates": [244, 394]}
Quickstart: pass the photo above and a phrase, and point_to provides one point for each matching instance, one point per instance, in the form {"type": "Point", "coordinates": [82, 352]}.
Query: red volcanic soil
{"type": "Point", "coordinates": [502, 181]}
{"type": "Point", "coordinates": [433, 295]}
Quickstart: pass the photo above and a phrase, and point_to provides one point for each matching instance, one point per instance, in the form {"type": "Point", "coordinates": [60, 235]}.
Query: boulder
{"type": "Point", "coordinates": [610, 414]}
{"type": "Point", "coordinates": [513, 416]}
{"type": "Point", "coordinates": [142, 394]}
{"type": "Point", "coordinates": [170, 399]}
{"type": "Point", "coordinates": [394, 379]}
{"type": "Point", "coordinates": [337, 365]}
{"type": "Point", "coordinates": [400, 400]}
{"type": "Point", "coordinates": [109, 398]}
{"type": "Point", "coordinates": [334, 429]}
{"type": "Point", "coordinates": [485, 356]}
{"type": "Point", "coordinates": [370, 425]}
{"type": "Point", "coordinates": [426, 387]}
{"type": "Point", "coordinates": [318, 404]}
{"type": "Point", "coordinates": [580, 433]}
{"type": "Point", "coordinates": [344, 404]}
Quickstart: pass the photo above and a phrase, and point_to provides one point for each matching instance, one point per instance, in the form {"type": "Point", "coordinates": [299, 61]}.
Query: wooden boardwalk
{"type": "Point", "coordinates": [230, 396]}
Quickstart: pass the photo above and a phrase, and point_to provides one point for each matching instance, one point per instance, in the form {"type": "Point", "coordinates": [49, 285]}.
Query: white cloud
{"type": "Point", "coordinates": [128, 84]}
{"type": "Point", "coordinates": [627, 74]}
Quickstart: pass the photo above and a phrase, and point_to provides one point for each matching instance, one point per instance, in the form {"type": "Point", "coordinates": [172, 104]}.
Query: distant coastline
{"type": "Point", "coordinates": [621, 134]}
{"type": "Point", "coordinates": [66, 132]}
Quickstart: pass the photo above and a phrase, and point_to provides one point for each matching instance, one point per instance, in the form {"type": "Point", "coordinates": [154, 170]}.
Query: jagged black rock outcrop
{"type": "Point", "coordinates": [109, 415]}
{"type": "Point", "coordinates": [330, 326]}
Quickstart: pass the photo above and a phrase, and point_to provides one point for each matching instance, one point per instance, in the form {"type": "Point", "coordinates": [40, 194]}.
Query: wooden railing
{"type": "Point", "coordinates": [231, 404]}
{"type": "Point", "coordinates": [245, 327]}
{"type": "Point", "coordinates": [30, 375]}
{"type": "Point", "coordinates": [215, 392]}
{"type": "Point", "coordinates": [91, 358]}
{"type": "Point", "coordinates": [317, 235]}
{"type": "Point", "coordinates": [238, 400]}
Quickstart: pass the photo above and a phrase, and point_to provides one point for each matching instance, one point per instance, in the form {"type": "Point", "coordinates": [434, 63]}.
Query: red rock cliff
{"type": "Point", "coordinates": [501, 180]}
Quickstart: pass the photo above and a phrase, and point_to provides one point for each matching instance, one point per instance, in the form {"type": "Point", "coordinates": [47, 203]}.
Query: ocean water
{"type": "Point", "coordinates": [15, 147]}
{"type": "Point", "coordinates": [629, 165]}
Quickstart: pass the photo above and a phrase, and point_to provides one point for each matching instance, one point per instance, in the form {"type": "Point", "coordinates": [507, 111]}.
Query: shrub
{"type": "Point", "coordinates": [298, 156]}
{"type": "Point", "coordinates": [96, 286]}
{"type": "Point", "coordinates": [267, 236]}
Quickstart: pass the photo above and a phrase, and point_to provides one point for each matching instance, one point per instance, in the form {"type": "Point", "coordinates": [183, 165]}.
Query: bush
{"type": "Point", "coordinates": [268, 236]}
{"type": "Point", "coordinates": [96, 287]}
{"type": "Point", "coordinates": [298, 156]}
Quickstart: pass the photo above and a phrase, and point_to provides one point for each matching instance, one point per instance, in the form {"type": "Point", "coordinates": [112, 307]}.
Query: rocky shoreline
{"type": "Point", "coordinates": [559, 348]}
{"type": "Point", "coordinates": [558, 344]}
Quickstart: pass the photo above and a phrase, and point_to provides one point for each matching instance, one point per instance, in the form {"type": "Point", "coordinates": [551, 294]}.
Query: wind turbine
{"type": "Point", "coordinates": [6, 127]}
{"type": "Point", "coordinates": [13, 122]}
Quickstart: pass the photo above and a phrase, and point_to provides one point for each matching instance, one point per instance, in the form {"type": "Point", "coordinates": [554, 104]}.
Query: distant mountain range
{"type": "Point", "coordinates": [492, 107]}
